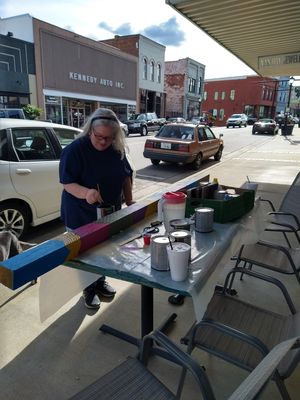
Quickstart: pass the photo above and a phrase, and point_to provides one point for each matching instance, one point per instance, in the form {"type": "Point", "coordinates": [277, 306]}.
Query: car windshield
{"type": "Point", "coordinates": [266, 120]}
{"type": "Point", "coordinates": [176, 132]}
{"type": "Point", "coordinates": [236, 116]}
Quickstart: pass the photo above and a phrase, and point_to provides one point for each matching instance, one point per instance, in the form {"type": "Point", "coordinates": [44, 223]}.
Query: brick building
{"type": "Point", "coordinates": [151, 65]}
{"type": "Point", "coordinates": [184, 87]}
{"type": "Point", "coordinates": [252, 95]}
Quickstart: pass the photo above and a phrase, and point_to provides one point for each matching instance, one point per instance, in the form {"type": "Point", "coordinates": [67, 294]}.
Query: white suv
{"type": "Point", "coordinates": [237, 120]}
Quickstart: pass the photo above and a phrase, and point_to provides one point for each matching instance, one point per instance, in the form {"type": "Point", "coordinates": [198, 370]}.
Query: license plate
{"type": "Point", "coordinates": [165, 146]}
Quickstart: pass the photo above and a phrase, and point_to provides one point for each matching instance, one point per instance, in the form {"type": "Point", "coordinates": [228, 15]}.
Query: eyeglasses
{"type": "Point", "coordinates": [103, 138]}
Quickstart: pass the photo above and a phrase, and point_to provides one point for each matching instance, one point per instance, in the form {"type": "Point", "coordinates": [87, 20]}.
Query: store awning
{"type": "Point", "coordinates": [264, 34]}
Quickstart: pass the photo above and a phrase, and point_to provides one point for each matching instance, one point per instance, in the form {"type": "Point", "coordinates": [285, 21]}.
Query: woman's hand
{"type": "Point", "coordinates": [93, 196]}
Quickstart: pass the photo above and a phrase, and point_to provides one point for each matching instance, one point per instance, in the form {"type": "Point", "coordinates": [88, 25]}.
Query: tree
{"type": "Point", "coordinates": [32, 112]}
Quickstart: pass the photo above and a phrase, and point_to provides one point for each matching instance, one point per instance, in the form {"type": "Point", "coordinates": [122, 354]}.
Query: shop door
{"type": "Point", "coordinates": [77, 117]}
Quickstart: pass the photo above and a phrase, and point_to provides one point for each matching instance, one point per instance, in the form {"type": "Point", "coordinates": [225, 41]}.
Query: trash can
{"type": "Point", "coordinates": [287, 129]}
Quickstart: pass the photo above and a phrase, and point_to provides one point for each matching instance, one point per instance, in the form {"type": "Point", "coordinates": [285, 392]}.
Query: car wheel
{"type": "Point", "coordinates": [144, 131]}
{"type": "Point", "coordinates": [155, 162]}
{"type": "Point", "coordinates": [218, 155]}
{"type": "Point", "coordinates": [227, 126]}
{"type": "Point", "coordinates": [196, 164]}
{"type": "Point", "coordinates": [14, 218]}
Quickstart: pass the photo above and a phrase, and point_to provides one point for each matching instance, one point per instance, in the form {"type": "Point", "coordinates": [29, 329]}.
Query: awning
{"type": "Point", "coordinates": [264, 34]}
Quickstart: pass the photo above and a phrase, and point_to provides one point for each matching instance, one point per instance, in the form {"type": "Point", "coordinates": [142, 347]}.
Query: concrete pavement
{"type": "Point", "coordinates": [57, 358]}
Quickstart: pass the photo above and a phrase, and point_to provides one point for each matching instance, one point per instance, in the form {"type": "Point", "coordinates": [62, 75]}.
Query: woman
{"type": "Point", "coordinates": [93, 170]}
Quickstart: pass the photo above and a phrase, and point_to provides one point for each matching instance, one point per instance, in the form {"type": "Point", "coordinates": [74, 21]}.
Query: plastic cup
{"type": "Point", "coordinates": [178, 257]}
{"type": "Point", "coordinates": [147, 239]}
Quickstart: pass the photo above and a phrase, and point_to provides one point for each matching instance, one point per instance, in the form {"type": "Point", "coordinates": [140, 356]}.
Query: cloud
{"type": "Point", "coordinates": [124, 29]}
{"type": "Point", "coordinates": [167, 33]}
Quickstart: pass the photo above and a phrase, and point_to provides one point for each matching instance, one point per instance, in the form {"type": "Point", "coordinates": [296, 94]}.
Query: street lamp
{"type": "Point", "coordinates": [200, 101]}
{"type": "Point", "coordinates": [291, 81]}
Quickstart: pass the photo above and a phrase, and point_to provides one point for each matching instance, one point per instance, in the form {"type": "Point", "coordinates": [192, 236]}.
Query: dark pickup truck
{"type": "Point", "coordinates": [143, 123]}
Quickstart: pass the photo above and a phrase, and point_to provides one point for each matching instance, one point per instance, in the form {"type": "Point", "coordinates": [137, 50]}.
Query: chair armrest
{"type": "Point", "coordinates": [254, 384]}
{"type": "Point", "coordinates": [269, 202]}
{"type": "Point", "coordinates": [228, 330]}
{"type": "Point", "coordinates": [286, 214]}
{"type": "Point", "coordinates": [181, 358]}
{"type": "Point", "coordinates": [270, 245]}
{"type": "Point", "coordinates": [263, 277]}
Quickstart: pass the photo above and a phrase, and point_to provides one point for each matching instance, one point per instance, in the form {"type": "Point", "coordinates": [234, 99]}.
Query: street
{"type": "Point", "coordinates": [239, 144]}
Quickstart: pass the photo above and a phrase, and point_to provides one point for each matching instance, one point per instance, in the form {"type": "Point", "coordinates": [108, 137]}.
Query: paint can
{"type": "Point", "coordinates": [104, 209]}
{"type": "Point", "coordinates": [204, 219]}
{"type": "Point", "coordinates": [181, 224]}
{"type": "Point", "coordinates": [159, 255]}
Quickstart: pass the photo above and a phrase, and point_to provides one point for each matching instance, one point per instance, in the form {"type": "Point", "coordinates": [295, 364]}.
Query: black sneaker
{"type": "Point", "coordinates": [91, 299]}
{"type": "Point", "coordinates": [102, 288]}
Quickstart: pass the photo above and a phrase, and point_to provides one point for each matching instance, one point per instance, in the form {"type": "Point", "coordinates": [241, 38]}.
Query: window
{"type": "Point", "coordinates": [221, 117]}
{"type": "Point", "coordinates": [223, 96]}
{"type": "Point", "coordinates": [32, 144]}
{"type": "Point", "coordinates": [232, 94]}
{"type": "Point", "coordinates": [145, 68]}
{"type": "Point", "coordinates": [209, 133]}
{"type": "Point", "coordinates": [216, 95]}
{"type": "Point", "coordinates": [158, 73]}
{"type": "Point", "coordinates": [3, 145]}
{"type": "Point", "coordinates": [199, 85]}
{"type": "Point", "coordinates": [152, 71]}
{"type": "Point", "coordinates": [201, 134]}
{"type": "Point", "coordinates": [65, 136]}
{"type": "Point", "coordinates": [204, 95]}
{"type": "Point", "coordinates": [192, 85]}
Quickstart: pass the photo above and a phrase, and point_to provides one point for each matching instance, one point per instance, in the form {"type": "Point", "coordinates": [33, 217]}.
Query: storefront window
{"type": "Point", "coordinates": [145, 67]}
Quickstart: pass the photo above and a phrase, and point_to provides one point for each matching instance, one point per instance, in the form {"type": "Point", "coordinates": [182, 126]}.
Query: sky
{"type": "Point", "coordinates": [102, 19]}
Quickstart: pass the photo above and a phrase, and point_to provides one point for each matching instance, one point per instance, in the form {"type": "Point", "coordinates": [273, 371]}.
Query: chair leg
{"type": "Point", "coordinates": [281, 387]}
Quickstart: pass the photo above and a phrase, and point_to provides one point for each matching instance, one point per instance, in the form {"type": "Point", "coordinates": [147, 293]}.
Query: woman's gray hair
{"type": "Point", "coordinates": [106, 117]}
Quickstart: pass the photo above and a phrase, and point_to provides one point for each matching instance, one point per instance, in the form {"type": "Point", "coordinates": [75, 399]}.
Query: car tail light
{"type": "Point", "coordinates": [183, 147]}
{"type": "Point", "coordinates": [149, 144]}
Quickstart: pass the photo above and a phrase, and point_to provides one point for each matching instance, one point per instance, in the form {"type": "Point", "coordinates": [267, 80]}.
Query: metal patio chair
{"type": "Point", "coordinates": [287, 218]}
{"type": "Point", "coordinates": [243, 334]}
{"type": "Point", "coordinates": [132, 380]}
{"type": "Point", "coordinates": [285, 260]}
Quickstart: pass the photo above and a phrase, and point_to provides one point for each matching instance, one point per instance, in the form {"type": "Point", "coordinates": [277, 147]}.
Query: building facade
{"type": "Point", "coordinates": [151, 56]}
{"type": "Point", "coordinates": [282, 94]}
{"type": "Point", "coordinates": [252, 95]}
{"type": "Point", "coordinates": [17, 71]}
{"type": "Point", "coordinates": [74, 74]}
{"type": "Point", "coordinates": [184, 88]}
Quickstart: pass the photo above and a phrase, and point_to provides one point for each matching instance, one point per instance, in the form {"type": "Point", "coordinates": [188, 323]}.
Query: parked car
{"type": "Point", "coordinates": [124, 128]}
{"type": "Point", "coordinates": [237, 120]}
{"type": "Point", "coordinates": [143, 123]}
{"type": "Point", "coordinates": [184, 143]}
{"type": "Point", "coordinates": [265, 125]}
{"type": "Point", "coordinates": [12, 113]}
{"type": "Point", "coordinates": [29, 159]}
{"type": "Point", "coordinates": [251, 119]}
{"type": "Point", "coordinates": [176, 119]}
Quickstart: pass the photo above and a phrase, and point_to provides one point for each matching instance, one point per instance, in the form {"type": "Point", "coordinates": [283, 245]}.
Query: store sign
{"type": "Point", "coordinates": [278, 60]}
{"type": "Point", "coordinates": [94, 80]}
{"type": "Point", "coordinates": [52, 99]}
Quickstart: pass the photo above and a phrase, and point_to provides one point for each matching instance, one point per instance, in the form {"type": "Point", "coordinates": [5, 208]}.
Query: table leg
{"type": "Point", "coordinates": [146, 319]}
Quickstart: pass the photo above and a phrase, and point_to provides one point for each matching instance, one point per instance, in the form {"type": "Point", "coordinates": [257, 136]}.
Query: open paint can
{"type": "Point", "coordinates": [159, 255]}
{"type": "Point", "coordinates": [181, 224]}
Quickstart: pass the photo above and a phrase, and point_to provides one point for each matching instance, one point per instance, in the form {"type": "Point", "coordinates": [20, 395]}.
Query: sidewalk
{"type": "Point", "coordinates": [57, 358]}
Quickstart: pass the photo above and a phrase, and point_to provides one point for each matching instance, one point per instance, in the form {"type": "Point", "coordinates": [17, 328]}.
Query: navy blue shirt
{"type": "Point", "coordinates": [83, 164]}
